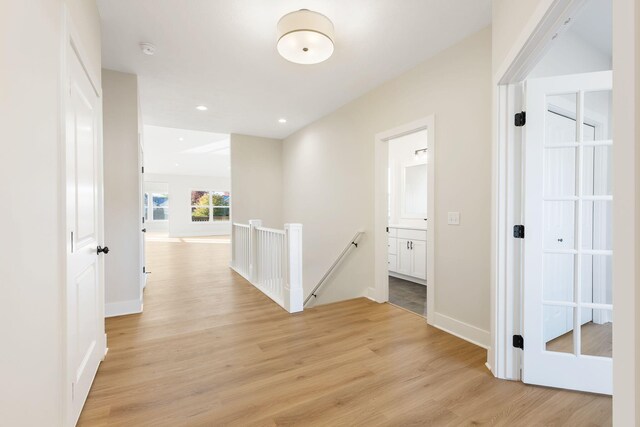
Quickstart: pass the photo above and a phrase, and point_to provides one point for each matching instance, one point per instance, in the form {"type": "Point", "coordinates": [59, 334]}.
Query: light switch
{"type": "Point", "coordinates": [453, 218]}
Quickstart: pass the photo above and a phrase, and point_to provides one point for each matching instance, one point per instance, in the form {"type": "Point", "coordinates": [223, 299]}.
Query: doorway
{"type": "Point", "coordinates": [186, 194]}
{"type": "Point", "coordinates": [405, 189]}
{"type": "Point", "coordinates": [407, 223]}
{"type": "Point", "coordinates": [554, 291]}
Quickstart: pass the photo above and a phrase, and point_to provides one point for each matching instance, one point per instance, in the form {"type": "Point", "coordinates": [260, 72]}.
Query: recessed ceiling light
{"type": "Point", "coordinates": [177, 164]}
{"type": "Point", "coordinates": [181, 139]}
{"type": "Point", "coordinates": [282, 121]}
{"type": "Point", "coordinates": [201, 108]}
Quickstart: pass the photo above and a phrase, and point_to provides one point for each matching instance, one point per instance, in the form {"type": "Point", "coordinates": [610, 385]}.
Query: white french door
{"type": "Point", "coordinates": [86, 340]}
{"type": "Point", "coordinates": [568, 310]}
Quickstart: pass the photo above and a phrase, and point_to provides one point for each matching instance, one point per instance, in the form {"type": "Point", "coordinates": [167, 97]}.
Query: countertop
{"type": "Point", "coordinates": [408, 227]}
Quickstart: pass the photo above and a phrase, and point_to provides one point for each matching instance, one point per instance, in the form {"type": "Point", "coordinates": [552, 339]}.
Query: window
{"type": "Point", "coordinates": [146, 206]}
{"type": "Point", "coordinates": [160, 203]}
{"type": "Point", "coordinates": [209, 206]}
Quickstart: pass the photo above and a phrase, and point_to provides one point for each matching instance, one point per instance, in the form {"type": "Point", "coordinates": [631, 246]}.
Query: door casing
{"type": "Point", "coordinates": [506, 253]}
{"type": "Point", "coordinates": [380, 292]}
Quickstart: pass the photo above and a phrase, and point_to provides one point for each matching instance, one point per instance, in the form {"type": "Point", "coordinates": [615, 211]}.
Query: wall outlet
{"type": "Point", "coordinates": [453, 218]}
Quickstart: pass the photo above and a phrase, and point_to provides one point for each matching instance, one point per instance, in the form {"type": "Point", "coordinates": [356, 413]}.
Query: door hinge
{"type": "Point", "coordinates": [144, 269]}
{"type": "Point", "coordinates": [142, 169]}
{"type": "Point", "coordinates": [520, 119]}
{"type": "Point", "coordinates": [518, 231]}
{"type": "Point", "coordinates": [518, 341]}
{"type": "Point", "coordinates": [387, 229]}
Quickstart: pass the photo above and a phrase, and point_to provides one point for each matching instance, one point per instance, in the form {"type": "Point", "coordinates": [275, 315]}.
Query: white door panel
{"type": "Point", "coordinates": [85, 312]}
{"type": "Point", "coordinates": [567, 281]}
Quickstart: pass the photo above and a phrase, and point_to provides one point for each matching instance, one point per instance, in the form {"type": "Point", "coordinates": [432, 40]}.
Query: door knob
{"type": "Point", "coordinates": [144, 230]}
{"type": "Point", "coordinates": [104, 250]}
{"type": "Point", "coordinates": [560, 240]}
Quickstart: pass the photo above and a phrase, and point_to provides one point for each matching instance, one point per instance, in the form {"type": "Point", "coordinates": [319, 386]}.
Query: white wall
{"type": "Point", "coordinates": [256, 180]}
{"type": "Point", "coordinates": [31, 251]}
{"type": "Point", "coordinates": [512, 24]}
{"type": "Point", "coordinates": [179, 188]}
{"type": "Point", "coordinates": [122, 222]}
{"type": "Point", "coordinates": [401, 154]}
{"type": "Point", "coordinates": [626, 212]}
{"type": "Point", "coordinates": [570, 54]}
{"type": "Point", "coordinates": [329, 176]}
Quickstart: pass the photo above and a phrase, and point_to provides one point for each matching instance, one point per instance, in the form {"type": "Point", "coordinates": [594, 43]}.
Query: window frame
{"type": "Point", "coordinates": [211, 207]}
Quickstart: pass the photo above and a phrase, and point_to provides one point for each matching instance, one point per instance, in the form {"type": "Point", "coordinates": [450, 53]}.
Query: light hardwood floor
{"type": "Point", "coordinates": [211, 350]}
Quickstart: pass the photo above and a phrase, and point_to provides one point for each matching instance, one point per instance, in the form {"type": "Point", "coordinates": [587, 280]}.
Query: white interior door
{"type": "Point", "coordinates": [85, 275]}
{"type": "Point", "coordinates": [567, 248]}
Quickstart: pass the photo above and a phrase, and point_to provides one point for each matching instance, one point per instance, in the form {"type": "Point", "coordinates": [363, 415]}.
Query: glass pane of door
{"type": "Point", "coordinates": [577, 220]}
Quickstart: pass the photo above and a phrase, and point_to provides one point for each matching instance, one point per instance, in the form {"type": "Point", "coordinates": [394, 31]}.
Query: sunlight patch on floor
{"type": "Point", "coordinates": [157, 237]}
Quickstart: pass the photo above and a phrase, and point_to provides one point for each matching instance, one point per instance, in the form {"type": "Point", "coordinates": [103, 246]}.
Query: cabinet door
{"type": "Point", "coordinates": [392, 246]}
{"type": "Point", "coordinates": [404, 257]}
{"type": "Point", "coordinates": [393, 263]}
{"type": "Point", "coordinates": [418, 259]}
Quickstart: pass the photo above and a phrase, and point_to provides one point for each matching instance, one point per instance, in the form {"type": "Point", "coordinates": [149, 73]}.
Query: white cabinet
{"type": "Point", "coordinates": [393, 246]}
{"type": "Point", "coordinates": [404, 257]}
{"type": "Point", "coordinates": [408, 252]}
{"type": "Point", "coordinates": [393, 262]}
{"type": "Point", "coordinates": [419, 259]}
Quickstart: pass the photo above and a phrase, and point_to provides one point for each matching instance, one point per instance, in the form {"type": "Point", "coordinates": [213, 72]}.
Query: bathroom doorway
{"type": "Point", "coordinates": [405, 181]}
{"type": "Point", "coordinates": [407, 207]}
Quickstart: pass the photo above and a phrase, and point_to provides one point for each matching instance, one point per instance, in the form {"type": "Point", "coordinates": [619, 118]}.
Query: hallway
{"type": "Point", "coordinates": [210, 349]}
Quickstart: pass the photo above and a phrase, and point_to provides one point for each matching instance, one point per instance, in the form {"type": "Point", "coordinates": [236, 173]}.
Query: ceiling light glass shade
{"type": "Point", "coordinates": [305, 37]}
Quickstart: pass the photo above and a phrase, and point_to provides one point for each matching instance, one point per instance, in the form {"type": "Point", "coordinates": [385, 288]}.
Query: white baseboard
{"type": "Point", "coordinates": [467, 332]}
{"type": "Point", "coordinates": [240, 273]}
{"type": "Point", "coordinates": [122, 308]}
{"type": "Point", "coordinates": [489, 368]}
{"type": "Point", "coordinates": [371, 294]}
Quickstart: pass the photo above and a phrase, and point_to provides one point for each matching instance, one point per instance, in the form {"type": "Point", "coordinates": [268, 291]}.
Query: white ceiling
{"type": "Point", "coordinates": [594, 24]}
{"type": "Point", "coordinates": [186, 152]}
{"type": "Point", "coordinates": [222, 54]}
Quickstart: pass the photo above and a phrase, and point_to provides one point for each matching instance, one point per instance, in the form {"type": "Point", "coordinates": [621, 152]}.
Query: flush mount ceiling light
{"type": "Point", "coordinates": [283, 121]}
{"type": "Point", "coordinates": [148, 49]}
{"type": "Point", "coordinates": [305, 37]}
{"type": "Point", "coordinates": [201, 108]}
